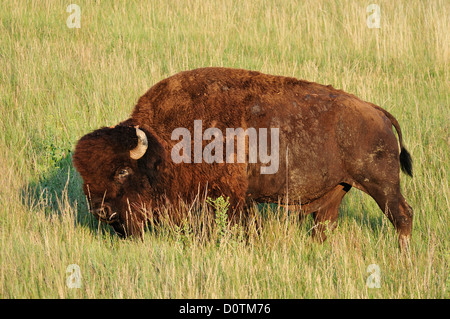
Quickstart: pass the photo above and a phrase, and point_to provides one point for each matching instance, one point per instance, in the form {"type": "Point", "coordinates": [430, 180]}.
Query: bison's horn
{"type": "Point", "coordinates": [139, 151]}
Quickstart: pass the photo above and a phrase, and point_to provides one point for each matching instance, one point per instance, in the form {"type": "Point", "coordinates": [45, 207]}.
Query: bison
{"type": "Point", "coordinates": [329, 141]}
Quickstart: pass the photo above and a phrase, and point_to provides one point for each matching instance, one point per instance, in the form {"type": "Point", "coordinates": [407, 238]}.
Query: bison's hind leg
{"type": "Point", "coordinates": [326, 214]}
{"type": "Point", "coordinates": [380, 179]}
{"type": "Point", "coordinates": [393, 204]}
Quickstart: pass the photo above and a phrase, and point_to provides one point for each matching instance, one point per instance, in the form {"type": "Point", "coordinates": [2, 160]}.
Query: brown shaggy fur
{"type": "Point", "coordinates": [330, 141]}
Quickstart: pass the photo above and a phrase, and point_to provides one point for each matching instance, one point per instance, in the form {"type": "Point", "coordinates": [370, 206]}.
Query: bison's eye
{"type": "Point", "coordinates": [122, 173]}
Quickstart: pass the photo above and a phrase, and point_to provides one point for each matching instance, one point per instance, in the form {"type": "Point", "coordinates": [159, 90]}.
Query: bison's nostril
{"type": "Point", "coordinates": [105, 213]}
{"type": "Point", "coordinates": [107, 210]}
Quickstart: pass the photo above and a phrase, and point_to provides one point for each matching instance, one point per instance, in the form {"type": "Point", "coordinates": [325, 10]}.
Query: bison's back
{"type": "Point", "coordinates": [228, 97]}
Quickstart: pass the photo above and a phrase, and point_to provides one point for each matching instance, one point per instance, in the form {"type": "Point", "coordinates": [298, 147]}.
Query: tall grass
{"type": "Point", "coordinates": [57, 84]}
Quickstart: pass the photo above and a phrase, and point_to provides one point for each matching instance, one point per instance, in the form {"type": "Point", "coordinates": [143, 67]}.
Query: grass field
{"type": "Point", "coordinates": [58, 83]}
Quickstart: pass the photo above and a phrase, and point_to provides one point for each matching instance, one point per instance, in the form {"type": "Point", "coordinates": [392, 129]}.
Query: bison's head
{"type": "Point", "coordinates": [119, 166]}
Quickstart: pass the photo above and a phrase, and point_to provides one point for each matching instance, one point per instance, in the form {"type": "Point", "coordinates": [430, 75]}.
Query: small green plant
{"type": "Point", "coordinates": [220, 205]}
{"type": "Point", "coordinates": [54, 154]}
{"type": "Point", "coordinates": [183, 234]}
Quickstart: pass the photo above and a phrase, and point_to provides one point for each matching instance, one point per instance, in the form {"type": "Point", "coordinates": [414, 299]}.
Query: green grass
{"type": "Point", "coordinates": [57, 84]}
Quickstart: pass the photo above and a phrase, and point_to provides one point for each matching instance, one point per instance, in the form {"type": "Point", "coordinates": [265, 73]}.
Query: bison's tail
{"type": "Point", "coordinates": [406, 161]}
{"type": "Point", "coordinates": [405, 157]}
